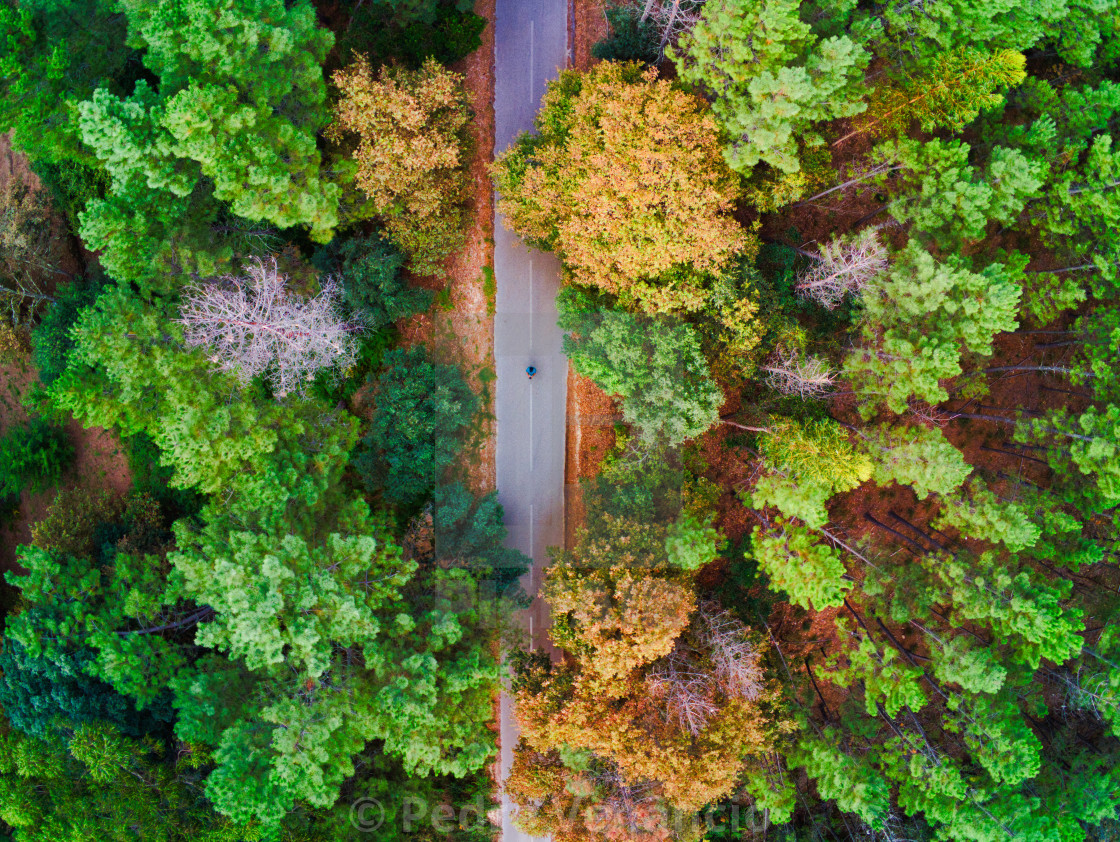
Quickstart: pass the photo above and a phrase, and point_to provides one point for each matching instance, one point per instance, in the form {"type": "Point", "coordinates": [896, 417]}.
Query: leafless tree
{"type": "Point", "coordinates": [734, 656]}
{"type": "Point", "coordinates": [29, 252]}
{"type": "Point", "coordinates": [252, 325]}
{"type": "Point", "coordinates": [792, 373]}
{"type": "Point", "coordinates": [845, 265]}
{"type": "Point", "coordinates": [673, 18]}
{"type": "Point", "coordinates": [686, 691]}
{"type": "Point", "coordinates": [697, 677]}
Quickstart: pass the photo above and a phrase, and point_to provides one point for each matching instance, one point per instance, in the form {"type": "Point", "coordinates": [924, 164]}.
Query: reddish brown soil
{"type": "Point", "coordinates": [588, 25]}
{"type": "Point", "coordinates": [98, 461]}
{"type": "Point", "coordinates": [590, 436]}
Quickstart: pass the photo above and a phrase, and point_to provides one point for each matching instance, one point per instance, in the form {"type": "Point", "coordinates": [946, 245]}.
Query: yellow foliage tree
{"type": "Point", "coordinates": [626, 182]}
{"type": "Point", "coordinates": [617, 600]}
{"type": "Point", "coordinates": [681, 726]}
{"type": "Point", "coordinates": [410, 153]}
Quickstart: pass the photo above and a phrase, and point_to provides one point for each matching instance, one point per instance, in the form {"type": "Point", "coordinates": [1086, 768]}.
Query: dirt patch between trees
{"type": "Point", "coordinates": [98, 460]}
{"type": "Point", "coordinates": [587, 26]}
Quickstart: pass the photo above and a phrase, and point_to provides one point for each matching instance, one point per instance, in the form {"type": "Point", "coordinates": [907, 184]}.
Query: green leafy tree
{"type": "Point", "coordinates": [372, 286]}
{"type": "Point", "coordinates": [920, 317]}
{"type": "Point", "coordinates": [806, 464]}
{"type": "Point", "coordinates": [810, 571]}
{"type": "Point", "coordinates": [947, 91]}
{"type": "Point", "coordinates": [654, 365]}
{"type": "Point", "coordinates": [286, 600]}
{"type": "Point", "coordinates": [213, 436]}
{"type": "Point", "coordinates": [45, 696]}
{"type": "Point", "coordinates": [855, 787]}
{"type": "Point", "coordinates": [470, 531]}
{"type": "Point", "coordinates": [51, 342]}
{"type": "Point", "coordinates": [225, 125]}
{"type": "Point", "coordinates": [771, 77]}
{"type": "Point", "coordinates": [962, 661]}
{"type": "Point", "coordinates": [55, 54]}
{"type": "Point", "coordinates": [950, 201]}
{"type": "Point", "coordinates": [79, 603]}
{"type": "Point", "coordinates": [411, 32]}
{"type": "Point", "coordinates": [920, 457]}
{"type": "Point", "coordinates": [422, 410]}
{"type": "Point", "coordinates": [1015, 24]}
{"type": "Point", "coordinates": [101, 785]}
{"type": "Point", "coordinates": [978, 513]}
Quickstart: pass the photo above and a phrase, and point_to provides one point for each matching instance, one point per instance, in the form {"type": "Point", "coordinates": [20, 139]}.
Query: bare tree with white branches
{"type": "Point", "coordinates": [793, 373]}
{"type": "Point", "coordinates": [253, 325]}
{"type": "Point", "coordinates": [736, 659]}
{"type": "Point", "coordinates": [845, 265]}
{"type": "Point", "coordinates": [673, 18]}
{"type": "Point", "coordinates": [695, 679]}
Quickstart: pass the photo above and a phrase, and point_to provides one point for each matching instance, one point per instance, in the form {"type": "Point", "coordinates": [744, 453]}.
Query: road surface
{"type": "Point", "coordinates": [530, 47]}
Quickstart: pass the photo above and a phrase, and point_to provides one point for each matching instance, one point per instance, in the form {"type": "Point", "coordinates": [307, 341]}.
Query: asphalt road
{"type": "Point", "coordinates": [531, 46]}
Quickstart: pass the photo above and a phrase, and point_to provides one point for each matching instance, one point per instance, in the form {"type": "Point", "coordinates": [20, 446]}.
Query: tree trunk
{"type": "Point", "coordinates": [913, 545]}
{"type": "Point", "coordinates": [882, 170]}
{"type": "Point", "coordinates": [915, 529]}
{"type": "Point", "coordinates": [1013, 453]}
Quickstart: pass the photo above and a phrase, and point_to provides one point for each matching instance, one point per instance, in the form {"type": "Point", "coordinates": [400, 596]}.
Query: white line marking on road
{"type": "Point", "coordinates": [530, 427]}
{"type": "Point", "coordinates": [532, 56]}
{"type": "Point", "coordinates": [532, 569]}
{"type": "Point", "coordinates": [530, 632]}
{"type": "Point", "coordinates": [530, 305]}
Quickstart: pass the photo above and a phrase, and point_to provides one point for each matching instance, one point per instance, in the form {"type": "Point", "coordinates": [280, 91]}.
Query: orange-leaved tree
{"type": "Point", "coordinates": [410, 153]}
{"type": "Point", "coordinates": [626, 182]}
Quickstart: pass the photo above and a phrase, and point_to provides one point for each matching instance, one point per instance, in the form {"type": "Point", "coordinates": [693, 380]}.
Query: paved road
{"type": "Point", "coordinates": [531, 45]}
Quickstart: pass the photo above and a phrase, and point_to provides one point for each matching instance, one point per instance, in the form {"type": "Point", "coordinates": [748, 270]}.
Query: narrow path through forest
{"type": "Point", "coordinates": [530, 48]}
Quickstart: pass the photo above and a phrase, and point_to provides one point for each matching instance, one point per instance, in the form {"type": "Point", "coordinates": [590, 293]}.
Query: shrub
{"type": "Point", "coordinates": [422, 408]}
{"type": "Point", "coordinates": [33, 455]}
{"type": "Point", "coordinates": [14, 339]}
{"type": "Point", "coordinates": [71, 186]}
{"type": "Point", "coordinates": [372, 287]}
{"type": "Point", "coordinates": [50, 339]}
{"type": "Point", "coordinates": [630, 38]}
{"type": "Point", "coordinates": [73, 519]}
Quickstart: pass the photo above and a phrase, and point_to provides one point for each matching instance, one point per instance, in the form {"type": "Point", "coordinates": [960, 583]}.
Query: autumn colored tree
{"type": "Point", "coordinates": [703, 701]}
{"type": "Point", "coordinates": [410, 153]}
{"type": "Point", "coordinates": [29, 253]}
{"type": "Point", "coordinates": [625, 183]}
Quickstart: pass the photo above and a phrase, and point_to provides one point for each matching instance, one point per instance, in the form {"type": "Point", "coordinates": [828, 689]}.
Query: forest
{"type": "Point", "coordinates": [845, 563]}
